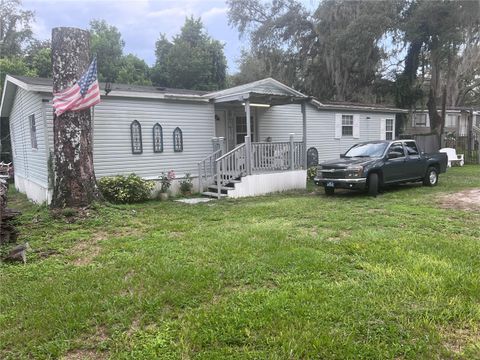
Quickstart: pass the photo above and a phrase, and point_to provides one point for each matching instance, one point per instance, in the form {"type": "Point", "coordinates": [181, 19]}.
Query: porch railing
{"type": "Point", "coordinates": [231, 166]}
{"type": "Point", "coordinates": [207, 169]}
{"type": "Point", "coordinates": [250, 158]}
{"type": "Point", "coordinates": [276, 156]}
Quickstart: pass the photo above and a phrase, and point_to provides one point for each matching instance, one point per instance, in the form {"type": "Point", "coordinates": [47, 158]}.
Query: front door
{"type": "Point", "coordinates": [220, 124]}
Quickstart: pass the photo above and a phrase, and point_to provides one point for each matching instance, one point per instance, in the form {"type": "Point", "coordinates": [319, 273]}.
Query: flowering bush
{"type": "Point", "coordinates": [186, 184]}
{"type": "Point", "coordinates": [166, 180]}
{"type": "Point", "coordinates": [125, 189]}
{"type": "Point", "coordinates": [311, 172]}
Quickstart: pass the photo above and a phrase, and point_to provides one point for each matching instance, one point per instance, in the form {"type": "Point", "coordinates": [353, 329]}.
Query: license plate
{"type": "Point", "coordinates": [330, 184]}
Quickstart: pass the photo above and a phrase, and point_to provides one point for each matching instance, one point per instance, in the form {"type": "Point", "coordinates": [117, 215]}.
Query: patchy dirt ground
{"type": "Point", "coordinates": [463, 200]}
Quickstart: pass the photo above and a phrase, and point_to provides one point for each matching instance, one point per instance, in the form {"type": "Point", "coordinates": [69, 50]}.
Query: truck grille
{"type": "Point", "coordinates": [333, 173]}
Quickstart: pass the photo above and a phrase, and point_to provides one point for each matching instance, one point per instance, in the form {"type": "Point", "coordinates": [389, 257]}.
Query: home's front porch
{"type": "Point", "coordinates": [244, 163]}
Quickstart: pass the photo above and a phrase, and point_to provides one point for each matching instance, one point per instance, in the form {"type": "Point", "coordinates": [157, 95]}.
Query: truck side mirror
{"type": "Point", "coordinates": [342, 156]}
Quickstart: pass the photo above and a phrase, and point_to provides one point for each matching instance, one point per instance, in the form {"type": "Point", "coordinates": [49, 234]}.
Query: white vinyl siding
{"type": "Point", "coordinates": [112, 146]}
{"type": "Point", "coordinates": [278, 122]}
{"type": "Point", "coordinates": [29, 162]}
{"type": "Point", "coordinates": [322, 130]}
{"type": "Point", "coordinates": [112, 151]}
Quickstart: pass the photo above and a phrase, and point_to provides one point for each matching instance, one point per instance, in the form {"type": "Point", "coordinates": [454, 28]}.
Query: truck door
{"type": "Point", "coordinates": [395, 168]}
{"type": "Point", "coordinates": [416, 162]}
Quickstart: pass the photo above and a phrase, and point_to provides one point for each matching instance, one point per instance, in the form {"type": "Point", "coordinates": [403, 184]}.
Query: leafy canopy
{"type": "Point", "coordinates": [193, 60]}
{"type": "Point", "coordinates": [108, 45]}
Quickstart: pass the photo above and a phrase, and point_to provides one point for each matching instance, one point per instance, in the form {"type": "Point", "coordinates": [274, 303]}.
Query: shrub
{"type": "Point", "coordinates": [311, 172]}
{"type": "Point", "coordinates": [122, 189]}
{"type": "Point", "coordinates": [186, 184]}
{"type": "Point", "coordinates": [166, 180]}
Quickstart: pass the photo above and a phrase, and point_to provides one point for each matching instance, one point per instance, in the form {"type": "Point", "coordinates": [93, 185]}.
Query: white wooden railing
{"type": "Point", "coordinates": [231, 166]}
{"type": "Point", "coordinates": [250, 158]}
{"type": "Point", "coordinates": [207, 169]}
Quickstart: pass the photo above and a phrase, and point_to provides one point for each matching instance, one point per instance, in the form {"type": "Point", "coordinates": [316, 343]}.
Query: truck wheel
{"type": "Point", "coordinates": [329, 191]}
{"type": "Point", "coordinates": [373, 185]}
{"type": "Point", "coordinates": [431, 177]}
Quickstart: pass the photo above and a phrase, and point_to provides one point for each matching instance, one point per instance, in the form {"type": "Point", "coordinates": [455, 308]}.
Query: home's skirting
{"type": "Point", "coordinates": [34, 191]}
{"type": "Point", "coordinates": [261, 184]}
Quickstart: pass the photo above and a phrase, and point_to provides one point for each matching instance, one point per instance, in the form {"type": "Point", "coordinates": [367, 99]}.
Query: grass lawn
{"type": "Point", "coordinates": [292, 276]}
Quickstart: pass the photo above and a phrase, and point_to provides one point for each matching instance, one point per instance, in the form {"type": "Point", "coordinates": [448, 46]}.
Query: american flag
{"type": "Point", "coordinates": [84, 94]}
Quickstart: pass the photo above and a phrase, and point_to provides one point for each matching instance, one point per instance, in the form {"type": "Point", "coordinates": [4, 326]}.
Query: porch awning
{"type": "Point", "coordinates": [266, 91]}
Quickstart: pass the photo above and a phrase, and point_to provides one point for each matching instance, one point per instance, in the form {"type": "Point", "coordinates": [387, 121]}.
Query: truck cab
{"type": "Point", "coordinates": [371, 165]}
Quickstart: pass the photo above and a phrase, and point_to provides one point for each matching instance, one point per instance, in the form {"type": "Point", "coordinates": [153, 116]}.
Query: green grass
{"type": "Point", "coordinates": [297, 276]}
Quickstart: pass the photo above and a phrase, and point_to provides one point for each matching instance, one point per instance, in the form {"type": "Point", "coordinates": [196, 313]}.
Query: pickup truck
{"type": "Point", "coordinates": [371, 165]}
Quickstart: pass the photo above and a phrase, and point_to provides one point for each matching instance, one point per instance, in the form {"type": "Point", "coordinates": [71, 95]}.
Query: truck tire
{"type": "Point", "coordinates": [431, 177]}
{"type": "Point", "coordinates": [373, 185]}
{"type": "Point", "coordinates": [329, 191]}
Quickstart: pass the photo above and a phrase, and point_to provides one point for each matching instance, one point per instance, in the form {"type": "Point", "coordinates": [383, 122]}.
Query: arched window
{"type": "Point", "coordinates": [157, 138]}
{"type": "Point", "coordinates": [177, 140]}
{"type": "Point", "coordinates": [312, 157]}
{"type": "Point", "coordinates": [136, 134]}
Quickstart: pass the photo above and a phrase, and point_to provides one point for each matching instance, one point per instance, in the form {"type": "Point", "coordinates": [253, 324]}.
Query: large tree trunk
{"type": "Point", "coordinates": [74, 177]}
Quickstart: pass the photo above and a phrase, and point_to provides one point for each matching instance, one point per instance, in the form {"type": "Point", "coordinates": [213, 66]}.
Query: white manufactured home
{"type": "Point", "coordinates": [147, 131]}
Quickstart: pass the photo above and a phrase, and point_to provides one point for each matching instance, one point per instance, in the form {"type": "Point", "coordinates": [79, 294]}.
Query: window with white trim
{"type": "Point", "coordinates": [389, 129]}
{"type": "Point", "coordinates": [420, 120]}
{"type": "Point", "coordinates": [451, 120]}
{"type": "Point", "coordinates": [33, 131]}
{"type": "Point", "coordinates": [347, 125]}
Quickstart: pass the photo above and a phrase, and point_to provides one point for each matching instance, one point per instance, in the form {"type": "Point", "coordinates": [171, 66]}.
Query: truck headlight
{"type": "Point", "coordinates": [319, 171]}
{"type": "Point", "coordinates": [354, 172]}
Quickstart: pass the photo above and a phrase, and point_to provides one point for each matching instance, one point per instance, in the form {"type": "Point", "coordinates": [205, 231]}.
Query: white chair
{"type": "Point", "coordinates": [453, 157]}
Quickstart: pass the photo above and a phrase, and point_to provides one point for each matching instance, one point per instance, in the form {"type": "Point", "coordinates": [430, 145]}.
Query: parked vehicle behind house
{"type": "Point", "coordinates": [371, 165]}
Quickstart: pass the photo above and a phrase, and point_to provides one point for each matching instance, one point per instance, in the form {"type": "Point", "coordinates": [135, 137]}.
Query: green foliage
{"type": "Point", "coordinates": [108, 45]}
{"type": "Point", "coordinates": [186, 184]}
{"type": "Point", "coordinates": [38, 57]}
{"type": "Point", "coordinates": [15, 28]}
{"type": "Point", "coordinates": [193, 60]}
{"type": "Point", "coordinates": [290, 276]}
{"type": "Point", "coordinates": [332, 52]}
{"type": "Point", "coordinates": [122, 189]}
{"type": "Point", "coordinates": [133, 70]}
{"type": "Point", "coordinates": [14, 65]}
{"type": "Point", "coordinates": [166, 180]}
{"type": "Point", "coordinates": [311, 172]}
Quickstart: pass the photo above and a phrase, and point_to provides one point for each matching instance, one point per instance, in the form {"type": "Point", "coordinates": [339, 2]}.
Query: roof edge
{"type": "Point", "coordinates": [358, 107]}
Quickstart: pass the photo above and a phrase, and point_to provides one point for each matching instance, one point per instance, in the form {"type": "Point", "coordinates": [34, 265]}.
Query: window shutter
{"type": "Point", "coordinates": [338, 126]}
{"type": "Point", "coordinates": [393, 130]}
{"type": "Point", "coordinates": [383, 129]}
{"type": "Point", "coordinates": [356, 126]}
{"type": "Point", "coordinates": [427, 122]}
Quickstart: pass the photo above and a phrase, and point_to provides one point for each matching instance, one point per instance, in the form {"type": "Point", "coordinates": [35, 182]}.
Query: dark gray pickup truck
{"type": "Point", "coordinates": [371, 165]}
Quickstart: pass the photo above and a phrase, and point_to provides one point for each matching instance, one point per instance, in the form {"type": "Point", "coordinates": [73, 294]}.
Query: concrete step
{"type": "Point", "coordinates": [213, 194]}
{"type": "Point", "coordinates": [223, 188]}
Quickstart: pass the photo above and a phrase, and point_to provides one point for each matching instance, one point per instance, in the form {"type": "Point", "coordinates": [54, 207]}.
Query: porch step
{"type": "Point", "coordinates": [222, 188]}
{"type": "Point", "coordinates": [213, 194]}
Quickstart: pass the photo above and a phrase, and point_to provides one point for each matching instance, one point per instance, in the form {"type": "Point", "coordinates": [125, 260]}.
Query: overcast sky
{"type": "Point", "coordinates": [140, 21]}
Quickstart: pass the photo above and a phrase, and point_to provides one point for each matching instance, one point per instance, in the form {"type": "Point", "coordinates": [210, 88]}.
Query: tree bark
{"type": "Point", "coordinates": [74, 177]}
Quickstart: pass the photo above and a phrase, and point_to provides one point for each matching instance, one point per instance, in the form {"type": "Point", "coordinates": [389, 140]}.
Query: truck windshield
{"type": "Point", "coordinates": [367, 150]}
